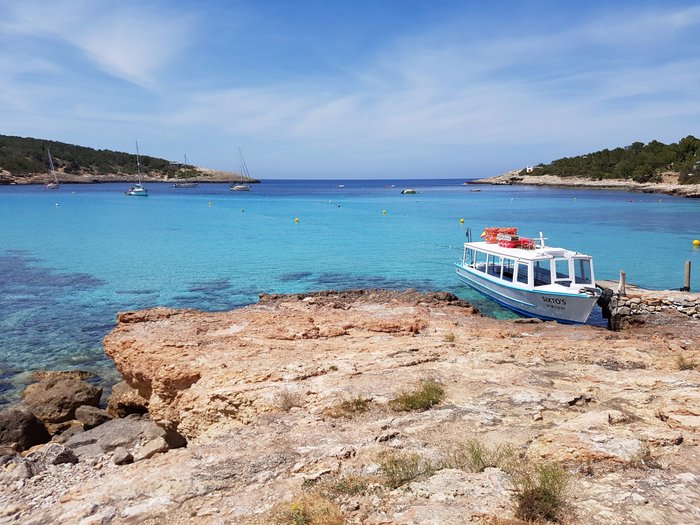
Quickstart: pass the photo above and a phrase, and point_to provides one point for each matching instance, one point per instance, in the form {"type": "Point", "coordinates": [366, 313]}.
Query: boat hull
{"type": "Point", "coordinates": [551, 306]}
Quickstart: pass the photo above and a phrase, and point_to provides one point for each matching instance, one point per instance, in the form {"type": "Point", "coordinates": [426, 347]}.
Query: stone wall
{"type": "Point", "coordinates": [625, 307]}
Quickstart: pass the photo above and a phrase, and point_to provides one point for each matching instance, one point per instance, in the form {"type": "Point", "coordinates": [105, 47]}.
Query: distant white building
{"type": "Point", "coordinates": [529, 169]}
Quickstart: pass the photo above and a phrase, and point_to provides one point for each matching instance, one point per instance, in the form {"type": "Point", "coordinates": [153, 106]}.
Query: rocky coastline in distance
{"type": "Point", "coordinates": [669, 184]}
{"type": "Point", "coordinates": [303, 409]}
{"type": "Point", "coordinates": [204, 175]}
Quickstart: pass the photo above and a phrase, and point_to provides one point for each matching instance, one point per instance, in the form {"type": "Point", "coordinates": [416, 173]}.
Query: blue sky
{"type": "Point", "coordinates": [351, 89]}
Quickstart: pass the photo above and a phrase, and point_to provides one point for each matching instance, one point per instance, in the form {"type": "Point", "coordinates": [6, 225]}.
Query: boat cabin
{"type": "Point", "coordinates": [538, 268]}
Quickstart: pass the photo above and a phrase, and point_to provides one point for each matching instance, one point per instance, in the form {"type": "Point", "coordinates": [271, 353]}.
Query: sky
{"type": "Point", "coordinates": [361, 89]}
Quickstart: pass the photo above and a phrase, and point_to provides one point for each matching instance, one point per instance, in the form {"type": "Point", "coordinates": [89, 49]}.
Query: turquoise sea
{"type": "Point", "coordinates": [70, 259]}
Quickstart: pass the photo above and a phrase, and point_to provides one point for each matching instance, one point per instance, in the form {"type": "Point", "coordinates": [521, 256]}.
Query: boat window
{"type": "Point", "coordinates": [562, 272]}
{"type": "Point", "coordinates": [480, 261]}
{"type": "Point", "coordinates": [542, 273]}
{"type": "Point", "coordinates": [494, 266]}
{"type": "Point", "coordinates": [582, 270]}
{"type": "Point", "coordinates": [523, 273]}
{"type": "Point", "coordinates": [508, 269]}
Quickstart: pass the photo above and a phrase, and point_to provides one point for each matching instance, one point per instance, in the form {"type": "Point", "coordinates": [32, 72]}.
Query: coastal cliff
{"type": "Point", "coordinates": [669, 185]}
{"type": "Point", "coordinates": [294, 404]}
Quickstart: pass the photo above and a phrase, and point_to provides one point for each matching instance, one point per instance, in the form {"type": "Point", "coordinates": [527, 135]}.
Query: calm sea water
{"type": "Point", "coordinates": [70, 259]}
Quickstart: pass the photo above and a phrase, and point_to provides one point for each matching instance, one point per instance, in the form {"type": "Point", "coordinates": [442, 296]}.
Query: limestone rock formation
{"type": "Point", "coordinates": [286, 406]}
{"type": "Point", "coordinates": [125, 400]}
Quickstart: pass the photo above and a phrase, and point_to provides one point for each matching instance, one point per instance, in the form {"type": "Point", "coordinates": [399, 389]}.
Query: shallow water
{"type": "Point", "coordinates": [70, 259]}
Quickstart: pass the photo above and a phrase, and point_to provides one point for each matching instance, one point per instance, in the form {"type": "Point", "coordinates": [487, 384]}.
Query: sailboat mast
{"type": "Point", "coordinates": [50, 160]}
{"type": "Point", "coordinates": [244, 166]}
{"type": "Point", "coordinates": [138, 161]}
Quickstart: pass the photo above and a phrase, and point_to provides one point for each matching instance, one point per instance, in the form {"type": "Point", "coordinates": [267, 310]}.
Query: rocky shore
{"type": "Point", "coordinates": [204, 175]}
{"type": "Point", "coordinates": [293, 411]}
{"type": "Point", "coordinates": [669, 185]}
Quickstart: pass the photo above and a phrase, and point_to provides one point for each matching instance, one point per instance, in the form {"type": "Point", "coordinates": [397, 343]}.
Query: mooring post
{"type": "Point", "coordinates": [621, 285]}
{"type": "Point", "coordinates": [686, 278]}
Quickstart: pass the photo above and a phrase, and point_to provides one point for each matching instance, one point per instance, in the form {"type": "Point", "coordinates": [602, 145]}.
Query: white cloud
{"type": "Point", "coordinates": [125, 40]}
{"type": "Point", "coordinates": [529, 88]}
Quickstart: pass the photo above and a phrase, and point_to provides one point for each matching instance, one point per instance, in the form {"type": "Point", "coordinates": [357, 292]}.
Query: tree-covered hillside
{"type": "Point", "coordinates": [638, 161]}
{"type": "Point", "coordinates": [23, 156]}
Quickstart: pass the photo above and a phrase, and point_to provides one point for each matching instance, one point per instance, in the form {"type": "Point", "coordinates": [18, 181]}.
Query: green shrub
{"type": "Point", "coordinates": [429, 393]}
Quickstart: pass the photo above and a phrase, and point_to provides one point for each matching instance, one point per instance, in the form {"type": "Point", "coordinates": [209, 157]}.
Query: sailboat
{"type": "Point", "coordinates": [137, 190]}
{"type": "Point", "coordinates": [185, 183]}
{"type": "Point", "coordinates": [244, 176]}
{"type": "Point", "coordinates": [51, 185]}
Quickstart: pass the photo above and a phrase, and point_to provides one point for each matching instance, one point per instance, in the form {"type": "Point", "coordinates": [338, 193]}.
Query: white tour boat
{"type": "Point", "coordinates": [530, 277]}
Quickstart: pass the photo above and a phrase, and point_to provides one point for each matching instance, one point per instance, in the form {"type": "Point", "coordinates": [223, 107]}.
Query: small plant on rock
{"type": "Point", "coordinates": [345, 486]}
{"type": "Point", "coordinates": [474, 456]}
{"type": "Point", "coordinates": [684, 363]}
{"type": "Point", "coordinates": [349, 408]}
{"type": "Point", "coordinates": [401, 468]}
{"type": "Point", "coordinates": [287, 399]}
{"type": "Point", "coordinates": [308, 509]}
{"type": "Point", "coordinates": [427, 395]}
{"type": "Point", "coordinates": [450, 338]}
{"type": "Point", "coordinates": [541, 493]}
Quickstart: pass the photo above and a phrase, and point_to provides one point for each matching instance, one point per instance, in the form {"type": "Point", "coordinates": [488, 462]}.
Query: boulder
{"type": "Point", "coordinates": [150, 449]}
{"type": "Point", "coordinates": [125, 400]}
{"type": "Point", "coordinates": [91, 417]}
{"type": "Point", "coordinates": [20, 429]}
{"type": "Point", "coordinates": [122, 456]}
{"type": "Point", "coordinates": [129, 433]}
{"type": "Point", "coordinates": [68, 433]}
{"type": "Point", "coordinates": [55, 399]}
{"type": "Point", "coordinates": [51, 454]}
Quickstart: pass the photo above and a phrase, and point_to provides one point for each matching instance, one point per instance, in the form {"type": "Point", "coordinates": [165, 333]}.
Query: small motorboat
{"type": "Point", "coordinates": [408, 191]}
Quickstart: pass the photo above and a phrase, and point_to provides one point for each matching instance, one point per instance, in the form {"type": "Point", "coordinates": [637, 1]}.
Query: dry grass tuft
{"type": "Point", "coordinates": [401, 468]}
{"type": "Point", "coordinates": [685, 363]}
{"type": "Point", "coordinates": [450, 338]}
{"type": "Point", "coordinates": [474, 456]}
{"type": "Point", "coordinates": [308, 509]}
{"type": "Point", "coordinates": [349, 408]}
{"type": "Point", "coordinates": [541, 493]}
{"type": "Point", "coordinates": [288, 399]}
{"type": "Point", "coordinates": [345, 486]}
